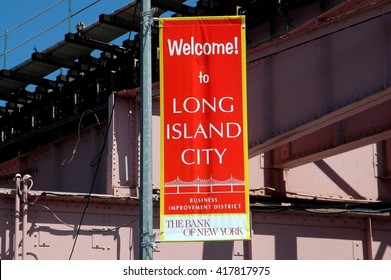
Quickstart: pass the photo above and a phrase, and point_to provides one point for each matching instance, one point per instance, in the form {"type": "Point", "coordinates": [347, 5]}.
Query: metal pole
{"type": "Point", "coordinates": [24, 220]}
{"type": "Point", "coordinates": [17, 215]}
{"type": "Point", "coordinates": [146, 211]}
{"type": "Point", "coordinates": [369, 239]}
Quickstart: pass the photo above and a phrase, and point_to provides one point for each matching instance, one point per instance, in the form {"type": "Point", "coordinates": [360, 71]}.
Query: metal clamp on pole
{"type": "Point", "coordinates": [147, 19]}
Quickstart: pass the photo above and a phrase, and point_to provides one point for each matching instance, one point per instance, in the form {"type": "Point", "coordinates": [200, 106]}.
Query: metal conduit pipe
{"type": "Point", "coordinates": [17, 180]}
{"type": "Point", "coordinates": [24, 221]}
{"type": "Point", "coordinates": [27, 185]}
{"type": "Point", "coordinates": [369, 239]}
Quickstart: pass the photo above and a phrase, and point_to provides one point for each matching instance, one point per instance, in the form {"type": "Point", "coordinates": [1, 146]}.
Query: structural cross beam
{"type": "Point", "coordinates": [120, 22]}
{"type": "Point", "coordinates": [48, 58]}
{"type": "Point", "coordinates": [94, 44]}
{"type": "Point", "coordinates": [26, 78]}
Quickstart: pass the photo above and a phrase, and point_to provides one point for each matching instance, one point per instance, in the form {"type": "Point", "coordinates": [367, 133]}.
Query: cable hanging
{"type": "Point", "coordinates": [70, 158]}
{"type": "Point", "coordinates": [34, 203]}
{"type": "Point", "coordinates": [99, 160]}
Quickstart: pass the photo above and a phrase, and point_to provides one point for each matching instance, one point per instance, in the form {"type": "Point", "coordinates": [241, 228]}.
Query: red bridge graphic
{"type": "Point", "coordinates": [204, 186]}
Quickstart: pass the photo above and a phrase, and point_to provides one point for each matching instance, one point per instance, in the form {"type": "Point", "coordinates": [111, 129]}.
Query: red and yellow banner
{"type": "Point", "coordinates": [204, 177]}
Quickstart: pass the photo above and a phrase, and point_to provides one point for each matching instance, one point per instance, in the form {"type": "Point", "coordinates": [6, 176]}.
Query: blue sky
{"type": "Point", "coordinates": [23, 21]}
{"type": "Point", "coordinates": [40, 16]}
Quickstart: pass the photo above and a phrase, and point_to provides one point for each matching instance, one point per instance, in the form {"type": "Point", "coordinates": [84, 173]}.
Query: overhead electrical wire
{"type": "Point", "coordinates": [45, 30]}
{"type": "Point", "coordinates": [32, 18]}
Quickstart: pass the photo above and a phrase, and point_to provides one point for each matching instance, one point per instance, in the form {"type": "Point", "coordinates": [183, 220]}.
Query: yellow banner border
{"type": "Point", "coordinates": [245, 122]}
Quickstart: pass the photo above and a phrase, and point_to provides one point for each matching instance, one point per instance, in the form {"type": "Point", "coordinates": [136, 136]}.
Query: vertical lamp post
{"type": "Point", "coordinates": [146, 211]}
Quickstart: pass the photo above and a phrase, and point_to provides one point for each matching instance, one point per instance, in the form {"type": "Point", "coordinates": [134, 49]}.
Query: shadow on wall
{"type": "Point", "coordinates": [337, 179]}
{"type": "Point", "coordinates": [308, 237]}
